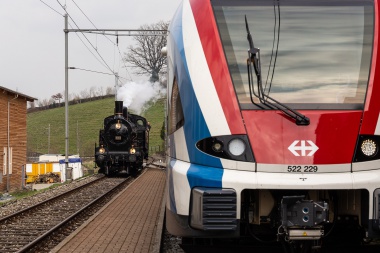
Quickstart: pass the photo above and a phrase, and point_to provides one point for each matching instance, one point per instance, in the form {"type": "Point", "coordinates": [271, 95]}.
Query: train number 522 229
{"type": "Point", "coordinates": [303, 169]}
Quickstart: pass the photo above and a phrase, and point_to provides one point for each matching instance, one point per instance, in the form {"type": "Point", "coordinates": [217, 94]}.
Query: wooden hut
{"type": "Point", "coordinates": [13, 138]}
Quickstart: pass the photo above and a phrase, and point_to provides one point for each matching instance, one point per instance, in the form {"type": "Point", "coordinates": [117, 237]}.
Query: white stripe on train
{"type": "Point", "coordinates": [199, 71]}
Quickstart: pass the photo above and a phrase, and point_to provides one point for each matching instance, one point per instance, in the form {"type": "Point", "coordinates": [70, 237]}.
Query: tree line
{"type": "Point", "coordinates": [58, 100]}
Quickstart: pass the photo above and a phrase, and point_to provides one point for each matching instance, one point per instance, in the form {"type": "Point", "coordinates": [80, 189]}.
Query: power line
{"type": "Point", "coordinates": [92, 71]}
{"type": "Point", "coordinates": [90, 50]}
{"type": "Point", "coordinates": [131, 32]}
{"type": "Point", "coordinates": [115, 44]}
{"type": "Point", "coordinates": [64, 7]}
{"type": "Point", "coordinates": [128, 32]}
{"type": "Point", "coordinates": [84, 14]}
{"type": "Point", "coordinates": [109, 68]}
{"type": "Point", "coordinates": [125, 66]}
{"type": "Point", "coordinates": [51, 8]}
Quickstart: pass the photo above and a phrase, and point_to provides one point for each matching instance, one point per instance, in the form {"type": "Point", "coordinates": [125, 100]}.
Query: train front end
{"type": "Point", "coordinates": [273, 119]}
{"type": "Point", "coordinates": [120, 149]}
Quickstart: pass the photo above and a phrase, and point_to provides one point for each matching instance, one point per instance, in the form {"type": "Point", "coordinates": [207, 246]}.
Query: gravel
{"type": "Point", "coordinates": [14, 205]}
{"type": "Point", "coordinates": [171, 243]}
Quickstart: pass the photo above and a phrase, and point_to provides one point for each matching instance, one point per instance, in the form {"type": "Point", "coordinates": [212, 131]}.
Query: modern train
{"type": "Point", "coordinates": [123, 143]}
{"type": "Point", "coordinates": [273, 126]}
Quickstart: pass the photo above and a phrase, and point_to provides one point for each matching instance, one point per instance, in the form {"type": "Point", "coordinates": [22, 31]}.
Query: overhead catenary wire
{"type": "Point", "coordinates": [115, 44]}
{"type": "Point", "coordinates": [90, 50]}
{"type": "Point", "coordinates": [64, 8]}
{"type": "Point", "coordinates": [101, 57]}
{"type": "Point", "coordinates": [51, 8]}
{"type": "Point", "coordinates": [130, 32]}
{"type": "Point", "coordinates": [84, 14]}
{"type": "Point", "coordinates": [94, 71]}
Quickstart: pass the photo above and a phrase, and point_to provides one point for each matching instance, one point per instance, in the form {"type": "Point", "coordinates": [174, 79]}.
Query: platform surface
{"type": "Point", "coordinates": [130, 223]}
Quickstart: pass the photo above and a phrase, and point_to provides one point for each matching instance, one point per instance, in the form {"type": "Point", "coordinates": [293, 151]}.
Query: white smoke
{"type": "Point", "coordinates": [135, 96]}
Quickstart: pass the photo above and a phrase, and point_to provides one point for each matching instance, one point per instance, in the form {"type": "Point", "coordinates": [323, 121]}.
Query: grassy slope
{"type": "Point", "coordinates": [85, 120]}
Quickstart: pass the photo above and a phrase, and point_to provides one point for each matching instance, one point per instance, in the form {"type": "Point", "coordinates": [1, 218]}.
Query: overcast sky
{"type": "Point", "coordinates": [32, 46]}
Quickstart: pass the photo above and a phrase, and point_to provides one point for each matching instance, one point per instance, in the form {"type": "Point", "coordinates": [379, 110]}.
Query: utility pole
{"type": "Point", "coordinates": [49, 139]}
{"type": "Point", "coordinates": [66, 97]}
{"type": "Point", "coordinates": [77, 138]}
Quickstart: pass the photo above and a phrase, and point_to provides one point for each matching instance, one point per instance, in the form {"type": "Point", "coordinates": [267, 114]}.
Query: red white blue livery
{"type": "Point", "coordinates": [273, 120]}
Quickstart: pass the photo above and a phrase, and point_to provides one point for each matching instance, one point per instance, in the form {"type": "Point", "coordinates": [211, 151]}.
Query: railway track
{"type": "Point", "coordinates": [154, 163]}
{"type": "Point", "coordinates": [29, 228]}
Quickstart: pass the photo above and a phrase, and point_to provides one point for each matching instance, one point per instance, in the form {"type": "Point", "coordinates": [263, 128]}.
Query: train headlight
{"type": "Point", "coordinates": [236, 147]}
{"type": "Point", "coordinates": [231, 147]}
{"type": "Point", "coordinates": [102, 150]}
{"type": "Point", "coordinates": [369, 147]}
{"type": "Point", "coordinates": [118, 125]}
{"type": "Point", "coordinates": [132, 150]}
{"type": "Point", "coordinates": [217, 146]}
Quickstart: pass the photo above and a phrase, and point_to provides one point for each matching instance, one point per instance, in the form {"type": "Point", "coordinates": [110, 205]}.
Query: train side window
{"type": "Point", "coordinates": [176, 117]}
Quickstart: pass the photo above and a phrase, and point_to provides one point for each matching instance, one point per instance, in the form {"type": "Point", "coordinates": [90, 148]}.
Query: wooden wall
{"type": "Point", "coordinates": [17, 138]}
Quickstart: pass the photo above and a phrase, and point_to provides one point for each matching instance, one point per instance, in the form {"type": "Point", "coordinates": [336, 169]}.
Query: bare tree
{"type": "Point", "coordinates": [43, 102]}
{"type": "Point", "coordinates": [84, 93]}
{"type": "Point", "coordinates": [93, 92]}
{"type": "Point", "coordinates": [110, 90]}
{"type": "Point", "coordinates": [100, 91]}
{"type": "Point", "coordinates": [146, 57]}
{"type": "Point", "coordinates": [75, 98]}
{"type": "Point", "coordinates": [58, 97]}
{"type": "Point", "coordinates": [51, 101]}
{"type": "Point", "coordinates": [72, 96]}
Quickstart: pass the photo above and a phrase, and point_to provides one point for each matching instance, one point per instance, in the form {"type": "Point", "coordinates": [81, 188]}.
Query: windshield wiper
{"type": "Point", "coordinates": [254, 59]}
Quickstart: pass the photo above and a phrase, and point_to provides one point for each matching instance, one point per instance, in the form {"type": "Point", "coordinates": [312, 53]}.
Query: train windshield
{"type": "Point", "coordinates": [314, 54]}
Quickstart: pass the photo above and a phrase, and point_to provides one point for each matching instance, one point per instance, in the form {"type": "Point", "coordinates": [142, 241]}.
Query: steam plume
{"type": "Point", "coordinates": [136, 95]}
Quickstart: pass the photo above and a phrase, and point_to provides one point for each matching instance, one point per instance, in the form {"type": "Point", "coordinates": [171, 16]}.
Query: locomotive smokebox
{"type": "Point", "coordinates": [118, 108]}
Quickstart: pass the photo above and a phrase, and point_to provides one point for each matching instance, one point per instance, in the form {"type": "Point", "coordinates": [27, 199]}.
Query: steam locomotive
{"type": "Point", "coordinates": [123, 143]}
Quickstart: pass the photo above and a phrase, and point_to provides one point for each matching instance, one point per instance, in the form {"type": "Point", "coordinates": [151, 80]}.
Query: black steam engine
{"type": "Point", "coordinates": [123, 142]}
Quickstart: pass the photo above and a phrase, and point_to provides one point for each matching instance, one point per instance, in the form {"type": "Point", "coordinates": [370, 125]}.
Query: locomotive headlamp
{"type": "Point", "coordinates": [102, 150]}
{"type": "Point", "coordinates": [217, 146]}
{"type": "Point", "coordinates": [132, 150]}
{"type": "Point", "coordinates": [236, 147]}
{"type": "Point", "coordinates": [118, 125]}
{"type": "Point", "coordinates": [369, 147]}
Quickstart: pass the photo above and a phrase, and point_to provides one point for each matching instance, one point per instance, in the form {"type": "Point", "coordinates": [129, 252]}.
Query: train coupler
{"type": "Point", "coordinates": [303, 219]}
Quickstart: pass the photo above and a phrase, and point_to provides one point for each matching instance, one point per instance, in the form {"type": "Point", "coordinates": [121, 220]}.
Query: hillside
{"type": "Point", "coordinates": [85, 120]}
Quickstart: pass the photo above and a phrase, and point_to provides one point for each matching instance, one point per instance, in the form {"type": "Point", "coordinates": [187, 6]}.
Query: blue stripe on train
{"type": "Point", "coordinates": [195, 127]}
{"type": "Point", "coordinates": [202, 176]}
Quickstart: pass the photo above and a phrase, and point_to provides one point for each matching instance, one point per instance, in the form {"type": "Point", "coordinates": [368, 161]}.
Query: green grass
{"type": "Point", "coordinates": [85, 120]}
{"type": "Point", "coordinates": [19, 194]}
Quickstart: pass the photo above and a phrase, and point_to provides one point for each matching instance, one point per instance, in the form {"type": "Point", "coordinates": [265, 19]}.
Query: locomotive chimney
{"type": "Point", "coordinates": [118, 108]}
